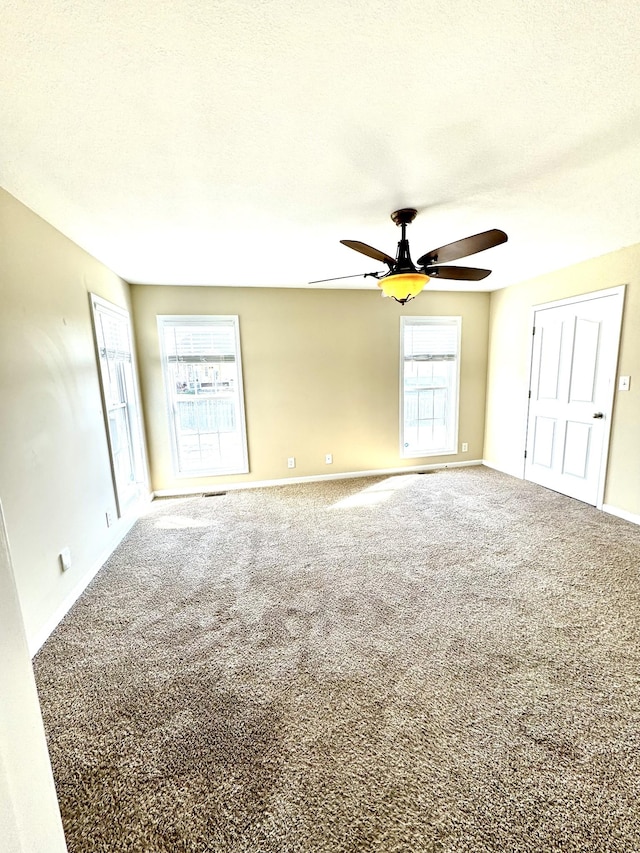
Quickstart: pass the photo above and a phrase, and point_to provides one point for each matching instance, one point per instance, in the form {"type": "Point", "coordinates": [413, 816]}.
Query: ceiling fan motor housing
{"type": "Point", "coordinates": [404, 216]}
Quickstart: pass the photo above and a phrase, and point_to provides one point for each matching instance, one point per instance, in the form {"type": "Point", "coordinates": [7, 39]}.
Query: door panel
{"type": "Point", "coordinates": [573, 365]}
{"type": "Point", "coordinates": [584, 361]}
{"type": "Point", "coordinates": [576, 449]}
{"type": "Point", "coordinates": [549, 371]}
{"type": "Point", "coordinates": [545, 429]}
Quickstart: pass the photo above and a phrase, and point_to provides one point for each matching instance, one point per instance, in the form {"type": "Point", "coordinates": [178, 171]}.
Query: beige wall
{"type": "Point", "coordinates": [508, 369]}
{"type": "Point", "coordinates": [321, 371]}
{"type": "Point", "coordinates": [55, 480]}
{"type": "Point", "coordinates": [321, 374]}
{"type": "Point", "coordinates": [29, 816]}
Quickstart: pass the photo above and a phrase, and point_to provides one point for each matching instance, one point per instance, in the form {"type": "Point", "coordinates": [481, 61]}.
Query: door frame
{"type": "Point", "coordinates": [618, 291]}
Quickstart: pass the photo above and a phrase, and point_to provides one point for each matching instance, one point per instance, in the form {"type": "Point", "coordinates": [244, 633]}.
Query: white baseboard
{"type": "Point", "coordinates": [286, 481]}
{"type": "Point", "coordinates": [38, 640]}
{"type": "Point", "coordinates": [612, 510]}
{"type": "Point", "coordinates": [502, 470]}
{"type": "Point", "coordinates": [621, 513]}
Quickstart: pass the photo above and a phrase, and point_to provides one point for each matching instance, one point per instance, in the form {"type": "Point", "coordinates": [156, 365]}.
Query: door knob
{"type": "Point", "coordinates": [598, 415]}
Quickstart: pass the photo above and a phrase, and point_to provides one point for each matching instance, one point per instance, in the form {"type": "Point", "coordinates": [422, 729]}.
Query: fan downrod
{"type": "Point", "coordinates": [404, 216]}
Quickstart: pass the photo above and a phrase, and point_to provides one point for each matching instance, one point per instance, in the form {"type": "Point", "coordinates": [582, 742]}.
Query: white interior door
{"type": "Point", "coordinates": [573, 369]}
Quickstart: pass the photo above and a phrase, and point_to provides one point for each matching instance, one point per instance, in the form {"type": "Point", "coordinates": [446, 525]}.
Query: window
{"type": "Point", "coordinates": [120, 401]}
{"type": "Point", "coordinates": [203, 383]}
{"type": "Point", "coordinates": [429, 361]}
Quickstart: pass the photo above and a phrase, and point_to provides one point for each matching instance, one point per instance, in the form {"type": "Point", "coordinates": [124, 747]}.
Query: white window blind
{"type": "Point", "coordinates": [203, 382]}
{"type": "Point", "coordinates": [430, 341]}
{"type": "Point", "coordinates": [429, 385]}
{"type": "Point", "coordinates": [212, 343]}
{"type": "Point", "coordinates": [113, 333]}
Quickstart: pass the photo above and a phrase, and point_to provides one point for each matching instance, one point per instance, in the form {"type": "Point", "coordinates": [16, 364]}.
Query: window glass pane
{"type": "Point", "coordinates": [429, 385]}
{"type": "Point", "coordinates": [203, 379]}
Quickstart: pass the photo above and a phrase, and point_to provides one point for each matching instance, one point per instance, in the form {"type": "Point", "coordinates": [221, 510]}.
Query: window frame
{"type": "Point", "coordinates": [454, 411]}
{"type": "Point", "coordinates": [131, 405]}
{"type": "Point", "coordinates": [165, 321]}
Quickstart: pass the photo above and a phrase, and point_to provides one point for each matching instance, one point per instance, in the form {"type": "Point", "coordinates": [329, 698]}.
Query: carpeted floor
{"type": "Point", "coordinates": [439, 662]}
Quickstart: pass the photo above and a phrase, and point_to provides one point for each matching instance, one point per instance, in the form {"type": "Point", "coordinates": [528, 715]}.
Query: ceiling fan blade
{"type": "Point", "coordinates": [459, 273]}
{"type": "Point", "coordinates": [464, 247]}
{"type": "Point", "coordinates": [340, 277]}
{"type": "Point", "coordinates": [369, 250]}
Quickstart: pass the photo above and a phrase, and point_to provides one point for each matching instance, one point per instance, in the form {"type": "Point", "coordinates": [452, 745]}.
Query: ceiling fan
{"type": "Point", "coordinates": [403, 280]}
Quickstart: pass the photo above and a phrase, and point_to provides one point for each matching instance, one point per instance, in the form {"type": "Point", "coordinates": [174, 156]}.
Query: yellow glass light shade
{"type": "Point", "coordinates": [404, 286]}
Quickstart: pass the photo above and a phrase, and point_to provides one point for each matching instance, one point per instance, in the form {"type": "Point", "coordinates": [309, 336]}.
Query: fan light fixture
{"type": "Point", "coordinates": [403, 279]}
{"type": "Point", "coordinates": [403, 286]}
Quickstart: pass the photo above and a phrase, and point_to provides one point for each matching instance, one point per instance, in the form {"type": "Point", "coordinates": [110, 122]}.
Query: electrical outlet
{"type": "Point", "coordinates": [465, 447]}
{"type": "Point", "coordinates": [65, 559]}
{"type": "Point", "coordinates": [291, 462]}
{"type": "Point", "coordinates": [328, 459]}
{"type": "Point", "coordinates": [109, 517]}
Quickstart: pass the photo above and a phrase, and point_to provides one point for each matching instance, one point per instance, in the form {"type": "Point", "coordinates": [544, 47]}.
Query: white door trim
{"type": "Point", "coordinates": [618, 291]}
{"type": "Point", "coordinates": [582, 297]}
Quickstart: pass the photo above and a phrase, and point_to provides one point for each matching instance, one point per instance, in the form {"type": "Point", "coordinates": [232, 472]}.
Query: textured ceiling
{"type": "Point", "coordinates": [230, 142]}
